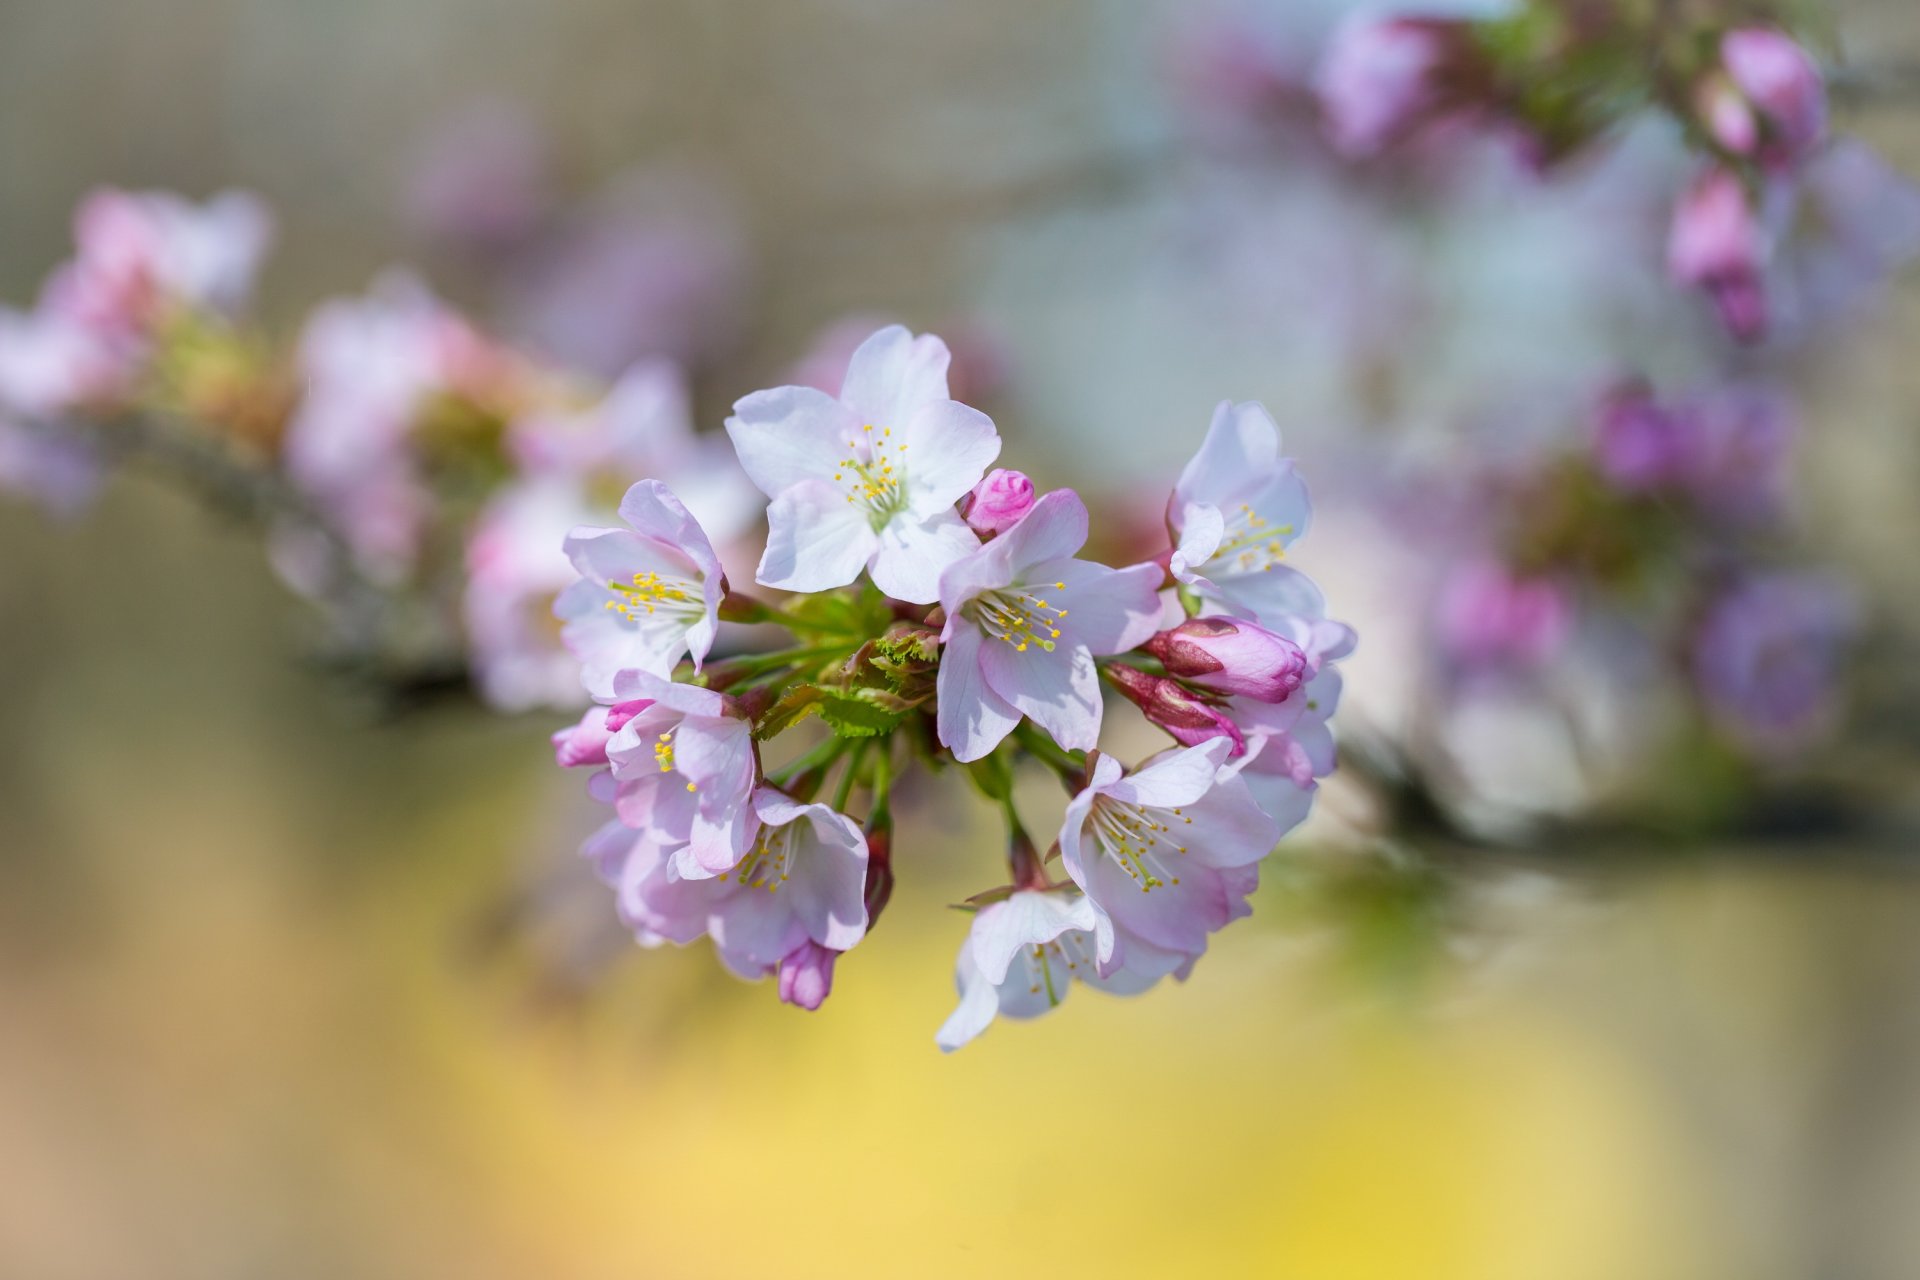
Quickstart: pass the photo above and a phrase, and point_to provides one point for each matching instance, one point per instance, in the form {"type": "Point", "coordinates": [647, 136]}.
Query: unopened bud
{"type": "Point", "coordinates": [998, 502]}
{"type": "Point", "coordinates": [806, 975]}
{"type": "Point", "coordinates": [585, 744]}
{"type": "Point", "coordinates": [1717, 244]}
{"type": "Point", "coordinates": [1232, 657]}
{"type": "Point", "coordinates": [1782, 82]}
{"type": "Point", "coordinates": [1175, 708]}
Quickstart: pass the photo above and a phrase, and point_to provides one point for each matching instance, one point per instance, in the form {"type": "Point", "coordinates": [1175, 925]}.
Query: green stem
{"type": "Point", "coordinates": [879, 814]}
{"type": "Point", "coordinates": [844, 792]}
{"type": "Point", "coordinates": [1050, 753]}
{"type": "Point", "coordinates": [746, 609]}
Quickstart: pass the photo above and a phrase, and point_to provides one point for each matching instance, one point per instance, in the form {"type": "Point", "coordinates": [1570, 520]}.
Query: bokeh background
{"type": "Point", "coordinates": [292, 988]}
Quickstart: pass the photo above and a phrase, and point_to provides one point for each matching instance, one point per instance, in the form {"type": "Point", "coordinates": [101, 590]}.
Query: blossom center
{"type": "Point", "coordinates": [648, 593]}
{"type": "Point", "coordinates": [770, 862]}
{"type": "Point", "coordinates": [1139, 839]}
{"type": "Point", "coordinates": [663, 755]}
{"type": "Point", "coordinates": [1251, 543]}
{"type": "Point", "coordinates": [875, 473]}
{"type": "Point", "coordinates": [1018, 616]}
{"type": "Point", "coordinates": [1069, 949]}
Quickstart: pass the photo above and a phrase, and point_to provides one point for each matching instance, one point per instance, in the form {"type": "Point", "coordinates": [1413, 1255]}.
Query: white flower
{"type": "Point", "coordinates": [647, 593]}
{"type": "Point", "coordinates": [1237, 508]}
{"type": "Point", "coordinates": [867, 480]}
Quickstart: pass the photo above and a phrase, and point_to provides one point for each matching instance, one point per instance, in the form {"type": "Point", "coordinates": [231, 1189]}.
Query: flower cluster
{"type": "Point", "coordinates": [1555, 79]}
{"type": "Point", "coordinates": [415, 475]}
{"type": "Point", "coordinates": [1660, 532]}
{"type": "Point", "coordinates": [943, 615]}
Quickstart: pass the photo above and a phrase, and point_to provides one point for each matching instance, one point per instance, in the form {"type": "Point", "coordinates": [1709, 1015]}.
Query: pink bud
{"type": "Point", "coordinates": [806, 975]}
{"type": "Point", "coordinates": [998, 502]}
{"type": "Point", "coordinates": [585, 744]}
{"type": "Point", "coordinates": [1726, 114]}
{"type": "Point", "coordinates": [1175, 708]}
{"type": "Point", "coordinates": [1717, 244]}
{"type": "Point", "coordinates": [1231, 656]}
{"type": "Point", "coordinates": [1782, 83]}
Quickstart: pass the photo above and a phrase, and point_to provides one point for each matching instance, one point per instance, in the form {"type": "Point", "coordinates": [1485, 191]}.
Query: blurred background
{"type": "Point", "coordinates": [295, 988]}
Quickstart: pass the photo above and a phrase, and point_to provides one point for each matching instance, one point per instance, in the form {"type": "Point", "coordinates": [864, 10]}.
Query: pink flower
{"type": "Point", "coordinates": [1238, 506]}
{"type": "Point", "coordinates": [368, 366]}
{"type": "Point", "coordinates": [1380, 79]}
{"type": "Point", "coordinates": [52, 364]}
{"type": "Point", "coordinates": [1489, 616]}
{"type": "Point", "coordinates": [806, 975]}
{"type": "Point", "coordinates": [516, 567]}
{"type": "Point", "coordinates": [647, 594]}
{"type": "Point", "coordinates": [868, 480]}
{"type": "Point", "coordinates": [1167, 853]}
{"type": "Point", "coordinates": [1718, 245]}
{"type": "Point", "coordinates": [801, 881]}
{"type": "Point", "coordinates": [1782, 83]}
{"type": "Point", "coordinates": [1231, 657]}
{"type": "Point", "coordinates": [998, 502]}
{"type": "Point", "coordinates": [685, 766]}
{"type": "Point", "coordinates": [1024, 623]}
{"type": "Point", "coordinates": [139, 253]}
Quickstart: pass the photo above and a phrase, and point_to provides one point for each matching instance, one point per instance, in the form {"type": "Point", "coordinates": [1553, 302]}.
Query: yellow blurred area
{"type": "Point", "coordinates": [251, 1029]}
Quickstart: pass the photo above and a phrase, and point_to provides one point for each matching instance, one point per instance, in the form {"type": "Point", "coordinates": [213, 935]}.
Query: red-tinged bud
{"type": "Point", "coordinates": [998, 502]}
{"type": "Point", "coordinates": [879, 871]}
{"type": "Point", "coordinates": [806, 975]}
{"type": "Point", "coordinates": [1784, 85]}
{"type": "Point", "coordinates": [1024, 861]}
{"type": "Point", "coordinates": [1175, 708]}
{"type": "Point", "coordinates": [1232, 657]}
{"type": "Point", "coordinates": [1717, 244]}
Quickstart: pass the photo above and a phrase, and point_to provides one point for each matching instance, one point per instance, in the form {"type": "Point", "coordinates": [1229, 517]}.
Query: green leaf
{"type": "Point", "coordinates": [793, 706]}
{"type": "Point", "coordinates": [861, 713]}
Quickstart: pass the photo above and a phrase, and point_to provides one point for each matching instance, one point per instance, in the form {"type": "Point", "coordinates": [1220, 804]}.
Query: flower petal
{"type": "Point", "coordinates": [951, 446]}
{"type": "Point", "coordinates": [1027, 918]}
{"type": "Point", "coordinates": [1054, 529]}
{"type": "Point", "coordinates": [789, 435]}
{"type": "Point", "coordinates": [1242, 444]}
{"type": "Point", "coordinates": [1057, 690]}
{"type": "Point", "coordinates": [914, 554]}
{"type": "Point", "coordinates": [973, 719]}
{"type": "Point", "coordinates": [816, 540]}
{"type": "Point", "coordinates": [1108, 610]}
{"type": "Point", "coordinates": [892, 374]}
{"type": "Point", "coordinates": [1201, 527]}
{"type": "Point", "coordinates": [979, 1002]}
{"type": "Point", "coordinates": [1176, 778]}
